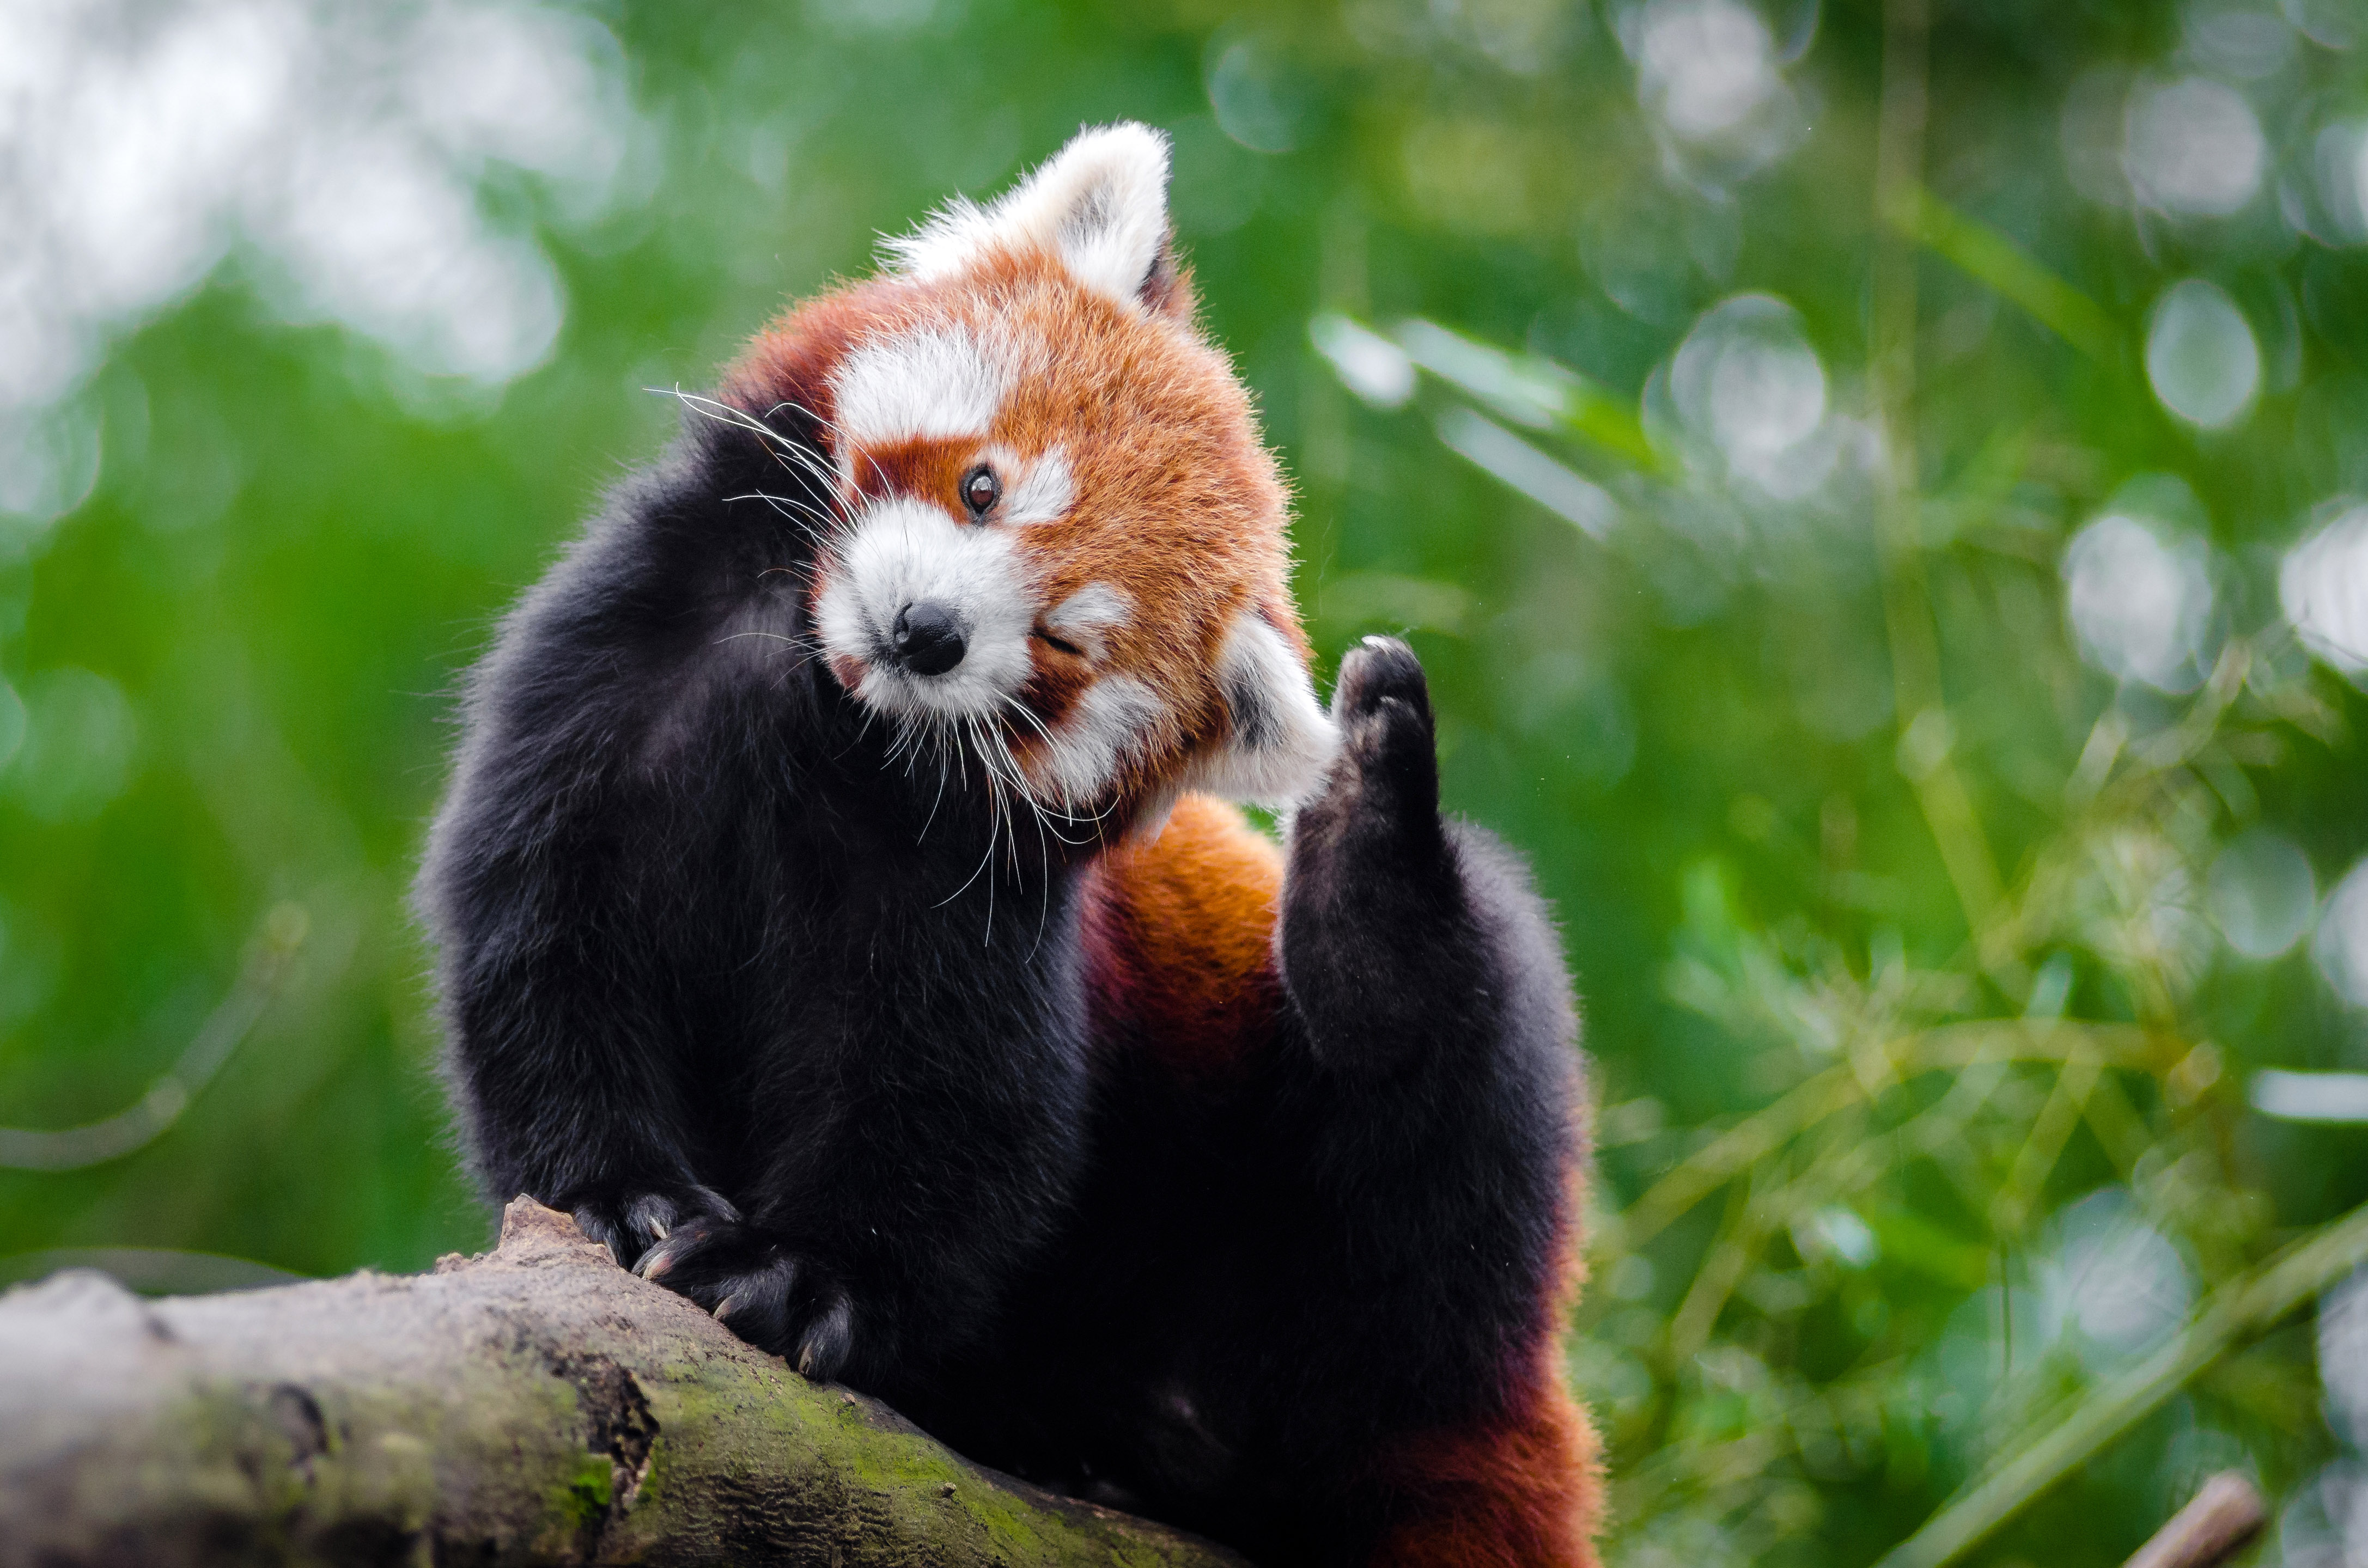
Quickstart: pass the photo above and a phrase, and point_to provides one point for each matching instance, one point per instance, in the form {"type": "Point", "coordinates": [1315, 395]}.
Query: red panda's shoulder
{"type": "Point", "coordinates": [1178, 936]}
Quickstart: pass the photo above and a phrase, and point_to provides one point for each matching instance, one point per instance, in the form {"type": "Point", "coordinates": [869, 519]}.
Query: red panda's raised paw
{"type": "Point", "coordinates": [778, 1299]}
{"type": "Point", "coordinates": [1388, 750]}
{"type": "Point", "coordinates": [1375, 671]}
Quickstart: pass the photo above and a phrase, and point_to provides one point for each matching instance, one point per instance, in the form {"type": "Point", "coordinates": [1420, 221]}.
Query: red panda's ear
{"type": "Point", "coordinates": [1168, 288]}
{"type": "Point", "coordinates": [1279, 740]}
{"type": "Point", "coordinates": [1099, 207]}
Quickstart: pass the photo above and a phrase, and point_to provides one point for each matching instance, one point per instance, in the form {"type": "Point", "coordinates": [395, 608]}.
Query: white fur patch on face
{"type": "Point", "coordinates": [938, 383]}
{"type": "Point", "coordinates": [1282, 739]}
{"type": "Point", "coordinates": [1106, 727]}
{"type": "Point", "coordinates": [1043, 491]}
{"type": "Point", "coordinates": [1086, 618]}
{"type": "Point", "coordinates": [899, 553]}
{"type": "Point", "coordinates": [1099, 205]}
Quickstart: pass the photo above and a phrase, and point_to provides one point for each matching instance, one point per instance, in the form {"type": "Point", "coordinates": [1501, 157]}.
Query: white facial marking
{"type": "Point", "coordinates": [938, 383]}
{"type": "Point", "coordinates": [1042, 491]}
{"type": "Point", "coordinates": [1282, 739]}
{"type": "Point", "coordinates": [1088, 616]}
{"type": "Point", "coordinates": [1099, 205]}
{"type": "Point", "coordinates": [1151, 817]}
{"type": "Point", "coordinates": [1108, 726]}
{"type": "Point", "coordinates": [902, 551]}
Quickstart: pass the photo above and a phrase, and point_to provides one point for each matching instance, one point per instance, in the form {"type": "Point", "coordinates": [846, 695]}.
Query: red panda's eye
{"type": "Point", "coordinates": [980, 491]}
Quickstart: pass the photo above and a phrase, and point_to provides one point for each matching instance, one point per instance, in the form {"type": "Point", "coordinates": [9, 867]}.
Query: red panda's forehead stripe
{"type": "Point", "coordinates": [926, 471]}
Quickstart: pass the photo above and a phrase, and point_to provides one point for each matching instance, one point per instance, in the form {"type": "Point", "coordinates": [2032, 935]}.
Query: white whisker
{"type": "Point", "coordinates": [812, 524]}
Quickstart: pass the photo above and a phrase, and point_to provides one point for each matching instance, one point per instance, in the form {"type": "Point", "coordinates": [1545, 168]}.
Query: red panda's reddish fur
{"type": "Point", "coordinates": [1179, 935]}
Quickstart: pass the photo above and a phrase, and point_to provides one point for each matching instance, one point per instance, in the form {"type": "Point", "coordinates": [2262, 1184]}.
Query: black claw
{"type": "Point", "coordinates": [597, 1225]}
{"type": "Point", "coordinates": [769, 1296]}
{"type": "Point", "coordinates": [684, 1241]}
{"type": "Point", "coordinates": [755, 1302]}
{"type": "Point", "coordinates": [652, 1218]}
{"type": "Point", "coordinates": [822, 1351]}
{"type": "Point", "coordinates": [714, 1203]}
{"type": "Point", "coordinates": [634, 1222]}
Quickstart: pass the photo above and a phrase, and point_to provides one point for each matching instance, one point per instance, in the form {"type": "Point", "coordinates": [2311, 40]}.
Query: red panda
{"type": "Point", "coordinates": [840, 915]}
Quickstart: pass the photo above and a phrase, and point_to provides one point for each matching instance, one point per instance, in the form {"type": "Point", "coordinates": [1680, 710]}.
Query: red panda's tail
{"type": "Point", "coordinates": [1525, 1491]}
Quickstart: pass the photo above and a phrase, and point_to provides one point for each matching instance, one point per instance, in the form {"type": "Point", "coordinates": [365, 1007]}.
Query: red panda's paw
{"type": "Point", "coordinates": [629, 1220]}
{"type": "Point", "coordinates": [1381, 705]}
{"type": "Point", "coordinates": [777, 1298]}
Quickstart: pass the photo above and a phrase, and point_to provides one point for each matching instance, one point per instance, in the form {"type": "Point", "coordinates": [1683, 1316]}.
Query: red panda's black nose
{"type": "Point", "coordinates": [927, 638]}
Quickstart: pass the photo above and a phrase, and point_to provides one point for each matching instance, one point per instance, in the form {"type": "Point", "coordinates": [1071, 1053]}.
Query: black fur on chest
{"type": "Point", "coordinates": [709, 927]}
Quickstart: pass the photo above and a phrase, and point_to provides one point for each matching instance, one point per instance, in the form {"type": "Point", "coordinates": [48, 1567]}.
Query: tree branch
{"type": "Point", "coordinates": [538, 1405]}
{"type": "Point", "coordinates": [2220, 1521]}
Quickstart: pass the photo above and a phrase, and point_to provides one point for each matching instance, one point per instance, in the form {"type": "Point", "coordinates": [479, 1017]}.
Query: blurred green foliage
{"type": "Point", "coordinates": [1869, 503]}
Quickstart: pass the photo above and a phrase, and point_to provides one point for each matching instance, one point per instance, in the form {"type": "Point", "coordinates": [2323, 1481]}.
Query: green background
{"type": "Point", "coordinates": [1797, 750]}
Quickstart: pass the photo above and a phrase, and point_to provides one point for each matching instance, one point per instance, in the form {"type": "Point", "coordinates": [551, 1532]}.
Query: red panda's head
{"type": "Point", "coordinates": [1055, 532]}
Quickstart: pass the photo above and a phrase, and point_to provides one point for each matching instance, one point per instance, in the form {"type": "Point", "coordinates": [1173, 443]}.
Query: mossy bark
{"type": "Point", "coordinates": [534, 1405]}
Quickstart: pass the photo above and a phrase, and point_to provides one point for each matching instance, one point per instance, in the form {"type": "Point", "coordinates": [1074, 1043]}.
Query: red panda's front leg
{"type": "Point", "coordinates": [1435, 1136]}
{"type": "Point", "coordinates": [1378, 941]}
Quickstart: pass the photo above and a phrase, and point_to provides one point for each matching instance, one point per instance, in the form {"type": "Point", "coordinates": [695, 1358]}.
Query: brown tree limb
{"type": "Point", "coordinates": [535, 1405]}
{"type": "Point", "coordinates": [2220, 1521]}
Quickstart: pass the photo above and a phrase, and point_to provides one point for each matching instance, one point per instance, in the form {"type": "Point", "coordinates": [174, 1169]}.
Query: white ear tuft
{"type": "Point", "coordinates": [1282, 739]}
{"type": "Point", "coordinates": [1101, 205]}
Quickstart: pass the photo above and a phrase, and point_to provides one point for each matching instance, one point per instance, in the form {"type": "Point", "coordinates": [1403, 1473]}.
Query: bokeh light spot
{"type": "Point", "coordinates": [2343, 1357]}
{"type": "Point", "coordinates": [2114, 1277]}
{"type": "Point", "coordinates": [1255, 99]}
{"type": "Point", "coordinates": [2245, 42]}
{"type": "Point", "coordinates": [79, 743]}
{"type": "Point", "coordinates": [2330, 24]}
{"type": "Point", "coordinates": [2140, 598]}
{"type": "Point", "coordinates": [2323, 588]}
{"type": "Point", "coordinates": [2261, 893]}
{"type": "Point", "coordinates": [2194, 146]}
{"type": "Point", "coordinates": [339, 153]}
{"type": "Point", "coordinates": [1747, 381]}
{"type": "Point", "coordinates": [2340, 160]}
{"type": "Point", "coordinates": [1703, 67]}
{"type": "Point", "coordinates": [2340, 948]}
{"type": "Point", "coordinates": [2201, 354]}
